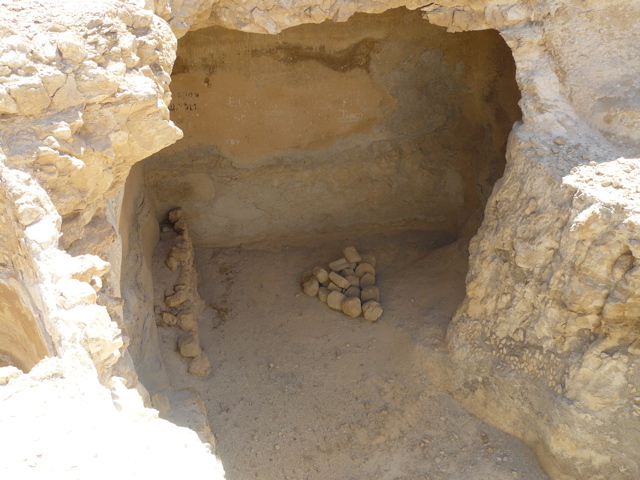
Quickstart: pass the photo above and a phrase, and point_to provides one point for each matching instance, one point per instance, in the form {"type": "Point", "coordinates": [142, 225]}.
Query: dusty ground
{"type": "Point", "coordinates": [298, 391]}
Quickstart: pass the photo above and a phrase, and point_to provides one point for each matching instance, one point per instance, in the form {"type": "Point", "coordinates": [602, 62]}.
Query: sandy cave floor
{"type": "Point", "coordinates": [298, 391]}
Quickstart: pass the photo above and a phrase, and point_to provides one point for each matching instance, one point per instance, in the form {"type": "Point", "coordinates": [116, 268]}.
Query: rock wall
{"type": "Point", "coordinates": [382, 123]}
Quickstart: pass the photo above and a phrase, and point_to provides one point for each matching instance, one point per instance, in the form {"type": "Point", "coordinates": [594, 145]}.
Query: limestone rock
{"type": "Point", "coordinates": [367, 280]}
{"type": "Point", "coordinates": [339, 264]}
{"type": "Point", "coordinates": [323, 293]}
{"type": "Point", "coordinates": [339, 280]}
{"type": "Point", "coordinates": [335, 300]}
{"type": "Point", "coordinates": [370, 293]}
{"type": "Point", "coordinates": [200, 366]}
{"type": "Point", "coordinates": [310, 287]}
{"type": "Point", "coordinates": [169, 319]}
{"type": "Point", "coordinates": [175, 215]}
{"type": "Point", "coordinates": [364, 268]}
{"type": "Point", "coordinates": [351, 255]}
{"type": "Point", "coordinates": [333, 287]}
{"type": "Point", "coordinates": [352, 292]}
{"type": "Point", "coordinates": [321, 275]}
{"type": "Point", "coordinates": [372, 310]}
{"type": "Point", "coordinates": [189, 345]}
{"type": "Point", "coordinates": [177, 298]}
{"type": "Point", "coordinates": [353, 280]}
{"type": "Point", "coordinates": [352, 307]}
{"type": "Point", "coordinates": [187, 322]}
{"type": "Point", "coordinates": [172, 263]}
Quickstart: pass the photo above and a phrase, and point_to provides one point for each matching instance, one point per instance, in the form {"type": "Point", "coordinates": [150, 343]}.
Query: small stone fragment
{"type": "Point", "coordinates": [353, 280]}
{"type": "Point", "coordinates": [365, 268]}
{"type": "Point", "coordinates": [175, 215]}
{"type": "Point", "coordinates": [310, 287]}
{"type": "Point", "coordinates": [372, 310]}
{"type": "Point", "coordinates": [352, 292]}
{"type": "Point", "coordinates": [169, 319]}
{"type": "Point", "coordinates": [180, 251]}
{"type": "Point", "coordinates": [172, 263]}
{"type": "Point", "coordinates": [176, 299]}
{"type": "Point", "coordinates": [200, 366]}
{"type": "Point", "coordinates": [368, 258]}
{"type": "Point", "coordinates": [320, 274]}
{"type": "Point", "coordinates": [180, 226]}
{"type": "Point", "coordinates": [370, 293]}
{"type": "Point", "coordinates": [339, 265]}
{"type": "Point", "coordinates": [339, 280]}
{"type": "Point", "coordinates": [189, 345]}
{"type": "Point", "coordinates": [352, 307]}
{"type": "Point", "coordinates": [347, 271]}
{"type": "Point", "coordinates": [323, 293]}
{"type": "Point", "coordinates": [335, 300]}
{"type": "Point", "coordinates": [334, 288]}
{"type": "Point", "coordinates": [352, 255]}
{"type": "Point", "coordinates": [367, 280]}
{"type": "Point", "coordinates": [187, 322]}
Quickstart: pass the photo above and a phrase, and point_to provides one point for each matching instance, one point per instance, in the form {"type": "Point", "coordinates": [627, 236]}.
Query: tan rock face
{"type": "Point", "coordinates": [364, 126]}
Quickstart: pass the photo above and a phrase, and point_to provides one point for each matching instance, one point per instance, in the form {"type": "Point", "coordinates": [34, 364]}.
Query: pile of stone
{"type": "Point", "coordinates": [348, 285]}
{"type": "Point", "coordinates": [182, 300]}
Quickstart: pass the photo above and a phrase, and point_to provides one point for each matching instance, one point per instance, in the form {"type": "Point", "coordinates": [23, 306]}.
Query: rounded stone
{"type": "Point", "coordinates": [310, 287]}
{"type": "Point", "coordinates": [370, 293]}
{"type": "Point", "coordinates": [323, 293]}
{"type": "Point", "coordinates": [352, 307]}
{"type": "Point", "coordinates": [364, 268]}
{"type": "Point", "coordinates": [367, 280]}
{"type": "Point", "coordinates": [335, 300]}
{"type": "Point", "coordinates": [372, 310]}
{"type": "Point", "coordinates": [352, 255]}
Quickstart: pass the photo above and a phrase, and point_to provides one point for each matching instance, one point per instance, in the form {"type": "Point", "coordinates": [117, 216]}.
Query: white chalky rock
{"type": "Point", "coordinates": [189, 345]}
{"type": "Point", "coordinates": [352, 255]}
{"type": "Point", "coordinates": [367, 280]}
{"type": "Point", "coordinates": [339, 265]}
{"type": "Point", "coordinates": [335, 300]}
{"type": "Point", "coordinates": [339, 280]}
{"type": "Point", "coordinates": [352, 307]}
{"type": "Point", "coordinates": [320, 274]}
{"type": "Point", "coordinates": [370, 293]}
{"type": "Point", "coordinates": [352, 292]}
{"type": "Point", "coordinates": [323, 293]}
{"type": "Point", "coordinates": [372, 310]}
{"type": "Point", "coordinates": [365, 268]}
{"type": "Point", "coordinates": [310, 287]}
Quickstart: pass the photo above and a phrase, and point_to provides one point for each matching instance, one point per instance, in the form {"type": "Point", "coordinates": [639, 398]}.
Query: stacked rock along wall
{"type": "Point", "coordinates": [385, 122]}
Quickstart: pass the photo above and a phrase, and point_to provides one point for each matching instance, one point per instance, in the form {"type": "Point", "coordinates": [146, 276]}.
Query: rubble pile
{"type": "Point", "coordinates": [347, 285]}
{"type": "Point", "coordinates": [180, 302]}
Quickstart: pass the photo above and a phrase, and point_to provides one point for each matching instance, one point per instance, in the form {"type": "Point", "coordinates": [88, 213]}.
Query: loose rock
{"type": "Point", "coordinates": [172, 263]}
{"type": "Point", "coordinates": [365, 268]}
{"type": "Point", "coordinates": [372, 311]}
{"type": "Point", "coordinates": [200, 366]}
{"type": "Point", "coordinates": [169, 319]}
{"type": "Point", "coordinates": [352, 292]}
{"type": "Point", "coordinates": [334, 288]}
{"type": "Point", "coordinates": [175, 215]}
{"type": "Point", "coordinates": [352, 255]}
{"type": "Point", "coordinates": [353, 280]}
{"type": "Point", "coordinates": [310, 287]}
{"type": "Point", "coordinates": [339, 265]}
{"type": "Point", "coordinates": [335, 300]}
{"type": "Point", "coordinates": [177, 298]}
{"type": "Point", "coordinates": [320, 274]}
{"type": "Point", "coordinates": [339, 280]}
{"type": "Point", "coordinates": [189, 345]}
{"type": "Point", "coordinates": [367, 280]}
{"type": "Point", "coordinates": [187, 322]}
{"type": "Point", "coordinates": [323, 293]}
{"type": "Point", "coordinates": [352, 307]}
{"type": "Point", "coordinates": [370, 293]}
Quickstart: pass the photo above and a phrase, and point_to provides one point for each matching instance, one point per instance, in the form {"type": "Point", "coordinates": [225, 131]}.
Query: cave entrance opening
{"type": "Point", "coordinates": [385, 133]}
